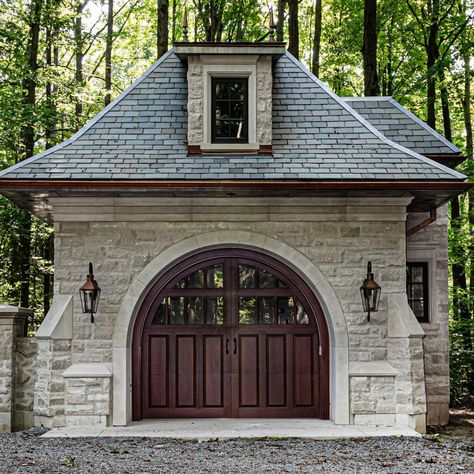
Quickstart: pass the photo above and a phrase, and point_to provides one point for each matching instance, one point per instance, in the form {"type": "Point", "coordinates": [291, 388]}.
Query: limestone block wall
{"type": "Point", "coordinates": [431, 245]}
{"type": "Point", "coordinates": [121, 235]}
{"type": "Point", "coordinates": [25, 380]}
{"type": "Point", "coordinates": [7, 347]}
{"type": "Point", "coordinates": [54, 356]}
{"type": "Point", "coordinates": [13, 323]}
{"type": "Point", "coordinates": [88, 401]}
{"type": "Point", "coordinates": [373, 400]}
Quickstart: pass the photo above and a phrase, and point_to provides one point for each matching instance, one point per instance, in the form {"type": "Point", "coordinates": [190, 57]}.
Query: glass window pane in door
{"type": "Point", "coordinates": [196, 279]}
{"type": "Point", "coordinates": [195, 310]}
{"type": "Point", "coordinates": [265, 279]}
{"type": "Point", "coordinates": [247, 310]}
{"type": "Point", "coordinates": [176, 310]}
{"type": "Point", "coordinates": [215, 277]}
{"type": "Point", "coordinates": [267, 311]}
{"type": "Point", "coordinates": [301, 315]}
{"type": "Point", "coordinates": [215, 310]}
{"type": "Point", "coordinates": [247, 276]}
{"type": "Point", "coordinates": [160, 314]}
{"type": "Point", "coordinates": [286, 310]}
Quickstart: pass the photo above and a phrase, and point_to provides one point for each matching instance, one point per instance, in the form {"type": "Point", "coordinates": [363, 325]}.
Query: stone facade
{"type": "Point", "coordinates": [386, 357]}
{"type": "Point", "coordinates": [431, 245]}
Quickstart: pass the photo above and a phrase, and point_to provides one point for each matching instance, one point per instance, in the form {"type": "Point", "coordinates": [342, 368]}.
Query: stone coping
{"type": "Point", "coordinates": [7, 310]}
{"type": "Point", "coordinates": [88, 370]}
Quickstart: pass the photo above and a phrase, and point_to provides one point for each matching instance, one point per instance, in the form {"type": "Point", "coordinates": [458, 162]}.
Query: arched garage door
{"type": "Point", "coordinates": [230, 333]}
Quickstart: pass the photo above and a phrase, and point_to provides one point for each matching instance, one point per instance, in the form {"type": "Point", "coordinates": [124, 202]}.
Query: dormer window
{"type": "Point", "coordinates": [229, 110]}
{"type": "Point", "coordinates": [230, 88]}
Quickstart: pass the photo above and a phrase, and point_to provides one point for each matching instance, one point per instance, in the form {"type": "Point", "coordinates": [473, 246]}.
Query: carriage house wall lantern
{"type": "Point", "coordinates": [370, 293]}
{"type": "Point", "coordinates": [90, 294]}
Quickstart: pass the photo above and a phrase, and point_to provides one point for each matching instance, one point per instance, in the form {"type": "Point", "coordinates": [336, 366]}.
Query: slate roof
{"type": "Point", "coordinates": [142, 135]}
{"type": "Point", "coordinates": [401, 126]}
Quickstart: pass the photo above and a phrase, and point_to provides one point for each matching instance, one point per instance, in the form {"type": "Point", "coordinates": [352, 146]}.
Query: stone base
{"type": "Point", "coordinates": [438, 414]}
{"type": "Point", "coordinates": [416, 422]}
{"type": "Point", "coordinates": [87, 420]}
{"type": "Point", "coordinates": [55, 421]}
{"type": "Point", "coordinates": [374, 420]}
{"type": "Point", "coordinates": [24, 420]}
{"type": "Point", "coordinates": [5, 422]}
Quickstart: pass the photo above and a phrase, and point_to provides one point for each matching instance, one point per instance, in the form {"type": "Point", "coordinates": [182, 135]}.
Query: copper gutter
{"type": "Point", "coordinates": [423, 224]}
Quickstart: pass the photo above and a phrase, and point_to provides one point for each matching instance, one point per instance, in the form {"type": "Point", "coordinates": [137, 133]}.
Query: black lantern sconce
{"type": "Point", "coordinates": [90, 294]}
{"type": "Point", "coordinates": [370, 293]}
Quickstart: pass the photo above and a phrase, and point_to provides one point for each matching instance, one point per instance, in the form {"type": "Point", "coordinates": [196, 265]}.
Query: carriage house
{"type": "Point", "coordinates": [230, 203]}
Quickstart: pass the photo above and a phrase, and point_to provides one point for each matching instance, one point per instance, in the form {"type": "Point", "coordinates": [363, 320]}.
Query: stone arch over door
{"type": "Point", "coordinates": [338, 338]}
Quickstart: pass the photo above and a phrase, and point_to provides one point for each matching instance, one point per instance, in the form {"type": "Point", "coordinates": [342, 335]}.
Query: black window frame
{"type": "Point", "coordinates": [426, 292]}
{"type": "Point", "coordinates": [245, 128]}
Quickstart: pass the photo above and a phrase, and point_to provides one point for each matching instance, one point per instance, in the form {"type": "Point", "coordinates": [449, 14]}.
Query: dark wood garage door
{"type": "Point", "coordinates": [230, 333]}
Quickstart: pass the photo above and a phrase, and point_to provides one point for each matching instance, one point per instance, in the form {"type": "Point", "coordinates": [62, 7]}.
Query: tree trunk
{"type": "Point", "coordinates": [432, 54]}
{"type": "Point", "coordinates": [162, 33]}
{"type": "Point", "coordinates": [79, 78]}
{"type": "Point", "coordinates": [173, 21]}
{"type": "Point", "coordinates": [369, 48]}
{"type": "Point", "coordinates": [390, 56]}
{"type": "Point", "coordinates": [108, 53]}
{"type": "Point", "coordinates": [28, 143]}
{"type": "Point", "coordinates": [318, 14]}
{"type": "Point", "coordinates": [280, 26]}
{"type": "Point", "coordinates": [50, 119]}
{"type": "Point", "coordinates": [466, 105]}
{"type": "Point", "coordinates": [293, 29]}
{"type": "Point", "coordinates": [445, 104]}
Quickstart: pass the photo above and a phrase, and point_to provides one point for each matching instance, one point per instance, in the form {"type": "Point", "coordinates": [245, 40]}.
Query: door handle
{"type": "Point", "coordinates": [227, 345]}
{"type": "Point", "coordinates": [235, 345]}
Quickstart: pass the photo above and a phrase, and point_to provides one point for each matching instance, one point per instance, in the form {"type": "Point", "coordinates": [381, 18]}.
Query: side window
{"type": "Point", "coordinates": [417, 290]}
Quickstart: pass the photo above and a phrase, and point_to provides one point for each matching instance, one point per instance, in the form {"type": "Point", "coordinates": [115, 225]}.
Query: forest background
{"type": "Point", "coordinates": [62, 61]}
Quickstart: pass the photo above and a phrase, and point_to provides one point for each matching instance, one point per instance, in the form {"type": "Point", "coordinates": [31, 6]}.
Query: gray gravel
{"type": "Point", "coordinates": [26, 452]}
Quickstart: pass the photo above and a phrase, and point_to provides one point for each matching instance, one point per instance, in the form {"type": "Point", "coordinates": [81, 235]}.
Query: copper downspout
{"type": "Point", "coordinates": [424, 223]}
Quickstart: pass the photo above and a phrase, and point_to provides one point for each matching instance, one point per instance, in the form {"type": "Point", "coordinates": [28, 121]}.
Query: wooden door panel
{"type": "Point", "coordinates": [186, 371]}
{"type": "Point", "coordinates": [276, 370]}
{"type": "Point", "coordinates": [159, 380]}
{"type": "Point", "coordinates": [303, 363]}
{"type": "Point", "coordinates": [220, 361]}
{"type": "Point", "coordinates": [248, 371]}
{"type": "Point", "coordinates": [213, 373]}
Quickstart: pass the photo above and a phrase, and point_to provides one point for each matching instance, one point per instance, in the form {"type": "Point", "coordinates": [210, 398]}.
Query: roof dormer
{"type": "Point", "coordinates": [229, 96]}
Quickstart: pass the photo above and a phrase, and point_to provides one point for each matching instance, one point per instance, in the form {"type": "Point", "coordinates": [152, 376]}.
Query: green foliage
{"type": "Point", "coordinates": [461, 360]}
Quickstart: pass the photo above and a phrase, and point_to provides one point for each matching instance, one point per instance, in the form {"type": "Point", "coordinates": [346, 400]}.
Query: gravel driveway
{"type": "Point", "coordinates": [27, 452]}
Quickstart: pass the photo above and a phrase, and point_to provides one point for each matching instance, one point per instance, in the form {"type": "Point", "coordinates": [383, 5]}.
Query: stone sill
{"type": "Point", "coordinates": [371, 369]}
{"type": "Point", "coordinates": [87, 371]}
{"type": "Point", "coordinates": [230, 147]}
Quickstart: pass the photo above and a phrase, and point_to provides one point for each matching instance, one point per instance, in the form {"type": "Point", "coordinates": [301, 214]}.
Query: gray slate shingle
{"type": "Point", "coordinates": [400, 125]}
{"type": "Point", "coordinates": [142, 135]}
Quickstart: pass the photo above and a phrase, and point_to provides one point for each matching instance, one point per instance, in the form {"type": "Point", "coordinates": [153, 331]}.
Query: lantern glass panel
{"type": "Point", "coordinates": [363, 297]}
{"type": "Point", "coordinates": [96, 300]}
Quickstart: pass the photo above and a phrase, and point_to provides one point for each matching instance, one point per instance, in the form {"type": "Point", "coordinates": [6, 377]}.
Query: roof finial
{"type": "Point", "coordinates": [185, 25]}
{"type": "Point", "coordinates": [271, 30]}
